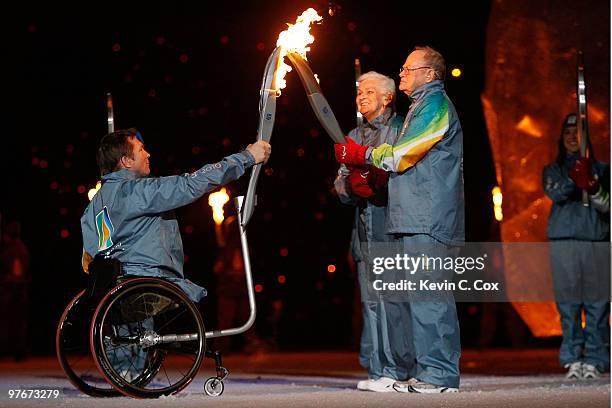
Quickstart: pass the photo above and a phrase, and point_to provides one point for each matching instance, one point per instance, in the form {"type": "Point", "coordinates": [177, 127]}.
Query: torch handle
{"type": "Point", "coordinates": [315, 96]}
{"type": "Point", "coordinates": [110, 114]}
{"type": "Point", "coordinates": [267, 113]}
{"type": "Point", "coordinates": [583, 126]}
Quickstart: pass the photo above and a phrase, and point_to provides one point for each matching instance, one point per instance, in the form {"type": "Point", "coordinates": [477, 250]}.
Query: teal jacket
{"type": "Point", "coordinates": [426, 164]}
{"type": "Point", "coordinates": [569, 218]}
{"type": "Point", "coordinates": [131, 218]}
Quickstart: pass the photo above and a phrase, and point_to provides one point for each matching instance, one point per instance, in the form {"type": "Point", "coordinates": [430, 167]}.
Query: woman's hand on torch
{"type": "Point", "coordinates": [260, 150]}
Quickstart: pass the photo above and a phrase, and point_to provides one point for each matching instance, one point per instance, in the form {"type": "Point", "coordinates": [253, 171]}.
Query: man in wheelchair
{"type": "Point", "coordinates": [131, 219]}
{"type": "Point", "coordinates": [129, 229]}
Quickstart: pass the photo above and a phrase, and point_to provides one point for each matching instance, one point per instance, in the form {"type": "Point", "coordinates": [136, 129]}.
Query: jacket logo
{"type": "Point", "coordinates": [105, 229]}
{"type": "Point", "coordinates": [343, 152]}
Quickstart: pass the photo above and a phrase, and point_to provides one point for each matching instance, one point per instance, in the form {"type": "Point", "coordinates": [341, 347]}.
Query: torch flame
{"type": "Point", "coordinates": [217, 201]}
{"type": "Point", "coordinates": [296, 38]}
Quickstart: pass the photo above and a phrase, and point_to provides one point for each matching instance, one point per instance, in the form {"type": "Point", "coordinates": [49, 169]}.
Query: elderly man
{"type": "Point", "coordinates": [365, 188]}
{"type": "Point", "coordinates": [425, 210]}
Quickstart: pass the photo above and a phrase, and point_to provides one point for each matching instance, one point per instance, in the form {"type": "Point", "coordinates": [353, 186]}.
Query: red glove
{"type": "Point", "coordinates": [350, 152]}
{"type": "Point", "coordinates": [377, 178]}
{"type": "Point", "coordinates": [582, 175]}
{"type": "Point", "coordinates": [358, 180]}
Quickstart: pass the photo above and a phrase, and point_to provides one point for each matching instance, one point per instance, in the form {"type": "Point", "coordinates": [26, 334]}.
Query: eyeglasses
{"type": "Point", "coordinates": [407, 70]}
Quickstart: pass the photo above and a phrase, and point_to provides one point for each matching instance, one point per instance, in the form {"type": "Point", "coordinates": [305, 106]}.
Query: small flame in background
{"type": "Point", "coordinates": [217, 201]}
{"type": "Point", "coordinates": [296, 38]}
{"type": "Point", "coordinates": [92, 192]}
{"type": "Point", "coordinates": [497, 203]}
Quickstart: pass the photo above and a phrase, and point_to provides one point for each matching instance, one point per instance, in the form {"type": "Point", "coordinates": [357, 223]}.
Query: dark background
{"type": "Point", "coordinates": [188, 77]}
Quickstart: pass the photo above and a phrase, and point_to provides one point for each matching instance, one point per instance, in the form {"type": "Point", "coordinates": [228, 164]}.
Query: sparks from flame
{"type": "Point", "coordinates": [296, 38]}
{"type": "Point", "coordinates": [217, 201]}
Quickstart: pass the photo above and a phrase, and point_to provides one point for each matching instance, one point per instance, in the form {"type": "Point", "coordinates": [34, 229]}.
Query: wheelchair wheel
{"type": "Point", "coordinates": [73, 351]}
{"type": "Point", "coordinates": [147, 338]}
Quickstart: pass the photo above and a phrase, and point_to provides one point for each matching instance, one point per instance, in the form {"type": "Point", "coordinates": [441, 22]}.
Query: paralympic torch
{"type": "Point", "coordinates": [295, 39]}
{"type": "Point", "coordinates": [315, 96]}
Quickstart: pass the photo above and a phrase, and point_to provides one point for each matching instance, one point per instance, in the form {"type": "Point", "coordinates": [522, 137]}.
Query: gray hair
{"type": "Point", "coordinates": [385, 84]}
{"type": "Point", "coordinates": [435, 60]}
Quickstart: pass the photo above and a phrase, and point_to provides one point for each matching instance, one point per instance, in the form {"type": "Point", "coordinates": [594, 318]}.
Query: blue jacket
{"type": "Point", "coordinates": [426, 165]}
{"type": "Point", "coordinates": [370, 214]}
{"type": "Point", "coordinates": [569, 218]}
{"type": "Point", "coordinates": [131, 218]}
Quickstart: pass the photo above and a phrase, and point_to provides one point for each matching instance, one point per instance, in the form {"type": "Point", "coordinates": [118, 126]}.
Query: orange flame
{"type": "Point", "coordinates": [296, 38]}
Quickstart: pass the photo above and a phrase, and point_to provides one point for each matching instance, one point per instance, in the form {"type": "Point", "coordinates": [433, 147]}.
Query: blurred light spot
{"type": "Point", "coordinates": [152, 93]}
{"type": "Point", "coordinates": [258, 288]}
{"type": "Point", "coordinates": [35, 161]}
{"type": "Point", "coordinates": [81, 189]}
{"type": "Point", "coordinates": [64, 233]}
{"type": "Point", "coordinates": [224, 40]}
{"type": "Point", "coordinates": [184, 58]}
{"type": "Point", "coordinates": [116, 47]}
{"type": "Point", "coordinates": [226, 142]}
{"type": "Point", "coordinates": [319, 216]}
{"type": "Point", "coordinates": [331, 268]}
{"type": "Point", "coordinates": [69, 149]}
{"type": "Point", "coordinates": [284, 252]}
{"type": "Point", "coordinates": [160, 40]}
{"type": "Point", "coordinates": [44, 164]}
{"type": "Point", "coordinates": [473, 310]}
{"type": "Point", "coordinates": [63, 211]}
{"type": "Point", "coordinates": [456, 72]}
{"type": "Point", "coordinates": [195, 150]}
{"type": "Point", "coordinates": [300, 152]}
{"type": "Point", "coordinates": [314, 132]}
{"type": "Point", "coordinates": [53, 185]}
{"type": "Point", "coordinates": [261, 46]}
{"type": "Point", "coordinates": [528, 126]}
{"type": "Point", "coordinates": [282, 279]}
{"type": "Point", "coordinates": [269, 171]}
{"type": "Point", "coordinates": [595, 114]}
{"type": "Point", "coordinates": [351, 26]}
{"type": "Point", "coordinates": [365, 49]}
{"type": "Point", "coordinates": [188, 229]}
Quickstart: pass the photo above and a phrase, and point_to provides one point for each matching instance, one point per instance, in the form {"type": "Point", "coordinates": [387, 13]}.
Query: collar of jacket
{"type": "Point", "coordinates": [379, 121]}
{"type": "Point", "coordinates": [424, 89]}
{"type": "Point", "coordinates": [123, 174]}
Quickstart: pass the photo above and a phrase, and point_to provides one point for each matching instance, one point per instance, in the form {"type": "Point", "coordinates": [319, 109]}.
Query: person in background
{"type": "Point", "coordinates": [580, 253]}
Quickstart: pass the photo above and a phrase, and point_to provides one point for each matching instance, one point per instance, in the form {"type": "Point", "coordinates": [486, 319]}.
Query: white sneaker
{"type": "Point", "coordinates": [414, 385]}
{"type": "Point", "coordinates": [404, 386]}
{"type": "Point", "coordinates": [590, 371]}
{"type": "Point", "coordinates": [574, 370]}
{"type": "Point", "coordinates": [383, 384]}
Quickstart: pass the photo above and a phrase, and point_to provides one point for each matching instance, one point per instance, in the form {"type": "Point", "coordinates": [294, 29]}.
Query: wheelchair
{"type": "Point", "coordinates": [143, 334]}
